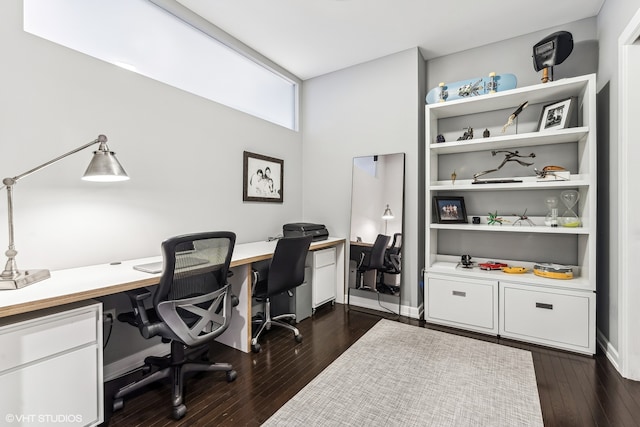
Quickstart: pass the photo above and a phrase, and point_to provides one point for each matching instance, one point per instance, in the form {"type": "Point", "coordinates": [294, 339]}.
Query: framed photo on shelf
{"type": "Point", "coordinates": [449, 210]}
{"type": "Point", "coordinates": [263, 178]}
{"type": "Point", "coordinates": [557, 115]}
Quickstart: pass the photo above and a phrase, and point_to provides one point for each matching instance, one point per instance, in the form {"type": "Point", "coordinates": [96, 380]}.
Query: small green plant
{"type": "Point", "coordinates": [494, 219]}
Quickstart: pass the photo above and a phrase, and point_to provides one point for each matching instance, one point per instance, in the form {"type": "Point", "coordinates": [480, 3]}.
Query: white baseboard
{"type": "Point", "coordinates": [133, 361]}
{"type": "Point", "coordinates": [370, 303]}
{"type": "Point", "coordinates": [609, 350]}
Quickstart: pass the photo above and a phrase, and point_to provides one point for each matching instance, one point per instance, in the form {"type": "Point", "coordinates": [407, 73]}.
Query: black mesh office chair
{"type": "Point", "coordinates": [372, 259]}
{"type": "Point", "coordinates": [286, 271]}
{"type": "Point", "coordinates": [191, 306]}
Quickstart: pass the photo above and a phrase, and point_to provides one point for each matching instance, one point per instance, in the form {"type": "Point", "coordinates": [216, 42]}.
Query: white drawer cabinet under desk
{"type": "Point", "coordinates": [323, 276]}
{"type": "Point", "coordinates": [51, 367]}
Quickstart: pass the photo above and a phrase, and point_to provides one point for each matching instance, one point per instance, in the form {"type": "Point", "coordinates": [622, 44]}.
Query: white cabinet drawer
{"type": "Point", "coordinates": [323, 273]}
{"type": "Point", "coordinates": [51, 365]}
{"type": "Point", "coordinates": [324, 257]}
{"type": "Point", "coordinates": [66, 389]}
{"type": "Point", "coordinates": [548, 316]}
{"type": "Point", "coordinates": [466, 303]}
{"type": "Point", "coordinates": [46, 336]}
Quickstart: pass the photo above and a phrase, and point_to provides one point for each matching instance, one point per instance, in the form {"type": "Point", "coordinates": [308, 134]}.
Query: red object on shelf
{"type": "Point", "coordinates": [492, 265]}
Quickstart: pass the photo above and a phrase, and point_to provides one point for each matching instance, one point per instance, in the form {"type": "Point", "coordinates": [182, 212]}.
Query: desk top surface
{"type": "Point", "coordinates": [82, 283]}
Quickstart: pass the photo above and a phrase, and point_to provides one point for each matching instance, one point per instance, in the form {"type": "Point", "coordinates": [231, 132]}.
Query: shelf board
{"type": "Point", "coordinates": [511, 141]}
{"type": "Point", "coordinates": [510, 228]}
{"type": "Point", "coordinates": [528, 278]}
{"type": "Point", "coordinates": [528, 183]}
{"type": "Point", "coordinates": [535, 94]}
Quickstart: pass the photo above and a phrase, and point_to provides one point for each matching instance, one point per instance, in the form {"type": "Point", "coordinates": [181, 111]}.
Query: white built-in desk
{"type": "Point", "coordinates": [84, 283]}
{"type": "Point", "coordinates": [51, 365]}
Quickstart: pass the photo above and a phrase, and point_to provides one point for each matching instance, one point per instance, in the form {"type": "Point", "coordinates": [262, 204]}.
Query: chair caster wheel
{"type": "Point", "coordinates": [118, 404]}
{"type": "Point", "coordinates": [255, 348]}
{"type": "Point", "coordinates": [231, 375]}
{"type": "Point", "coordinates": [298, 338]}
{"type": "Point", "coordinates": [179, 412]}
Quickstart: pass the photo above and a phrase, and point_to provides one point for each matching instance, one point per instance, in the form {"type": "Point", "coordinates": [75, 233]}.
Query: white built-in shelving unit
{"type": "Point", "coordinates": [526, 307]}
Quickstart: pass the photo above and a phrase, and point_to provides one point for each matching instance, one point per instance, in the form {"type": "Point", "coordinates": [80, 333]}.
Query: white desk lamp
{"type": "Point", "coordinates": [104, 167]}
{"type": "Point", "coordinates": [387, 215]}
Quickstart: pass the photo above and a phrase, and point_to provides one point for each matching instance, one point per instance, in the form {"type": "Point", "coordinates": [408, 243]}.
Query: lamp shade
{"type": "Point", "coordinates": [105, 167]}
{"type": "Point", "coordinates": [387, 213]}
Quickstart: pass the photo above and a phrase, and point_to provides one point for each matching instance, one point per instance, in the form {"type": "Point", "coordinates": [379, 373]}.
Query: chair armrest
{"type": "Point", "coordinates": [139, 317]}
{"type": "Point", "coordinates": [363, 255]}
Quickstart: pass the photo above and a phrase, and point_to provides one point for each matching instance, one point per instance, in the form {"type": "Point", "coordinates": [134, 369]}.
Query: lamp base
{"type": "Point", "coordinates": [24, 278]}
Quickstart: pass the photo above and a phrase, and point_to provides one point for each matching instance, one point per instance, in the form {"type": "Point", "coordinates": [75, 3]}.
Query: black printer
{"type": "Point", "coordinates": [296, 229]}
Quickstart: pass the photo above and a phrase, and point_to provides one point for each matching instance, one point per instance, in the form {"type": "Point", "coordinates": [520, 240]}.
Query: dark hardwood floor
{"type": "Point", "coordinates": [574, 390]}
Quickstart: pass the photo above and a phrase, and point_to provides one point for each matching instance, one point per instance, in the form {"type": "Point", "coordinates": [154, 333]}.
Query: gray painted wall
{"type": "Point", "coordinates": [183, 153]}
{"type": "Point", "coordinates": [367, 109]}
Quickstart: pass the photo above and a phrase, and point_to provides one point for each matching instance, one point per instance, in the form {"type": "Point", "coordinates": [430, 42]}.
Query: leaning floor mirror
{"type": "Point", "coordinates": [377, 209]}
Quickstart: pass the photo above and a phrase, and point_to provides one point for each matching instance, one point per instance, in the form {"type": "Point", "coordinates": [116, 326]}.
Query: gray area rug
{"type": "Point", "coordinates": [403, 375]}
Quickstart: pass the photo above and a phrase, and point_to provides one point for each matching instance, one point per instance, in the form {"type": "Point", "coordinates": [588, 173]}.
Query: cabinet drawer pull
{"type": "Point", "coordinates": [545, 306]}
{"type": "Point", "coordinates": [459, 294]}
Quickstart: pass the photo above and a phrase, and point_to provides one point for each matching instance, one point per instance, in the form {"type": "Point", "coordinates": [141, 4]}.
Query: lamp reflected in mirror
{"type": "Point", "coordinates": [387, 215]}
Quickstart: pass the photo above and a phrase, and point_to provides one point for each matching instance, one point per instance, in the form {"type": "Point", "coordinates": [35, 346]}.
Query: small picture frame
{"type": "Point", "coordinates": [449, 210]}
{"type": "Point", "coordinates": [557, 115]}
{"type": "Point", "coordinates": [263, 178]}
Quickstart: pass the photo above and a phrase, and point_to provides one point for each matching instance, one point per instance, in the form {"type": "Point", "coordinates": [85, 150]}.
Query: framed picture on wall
{"type": "Point", "coordinates": [449, 210]}
{"type": "Point", "coordinates": [263, 178]}
{"type": "Point", "coordinates": [557, 115]}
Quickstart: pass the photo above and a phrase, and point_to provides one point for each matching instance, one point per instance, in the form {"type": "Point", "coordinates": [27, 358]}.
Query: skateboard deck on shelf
{"type": "Point", "coordinates": [471, 87]}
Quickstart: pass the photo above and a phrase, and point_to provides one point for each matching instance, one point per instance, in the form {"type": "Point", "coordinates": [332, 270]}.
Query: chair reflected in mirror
{"type": "Point", "coordinates": [372, 259]}
{"type": "Point", "coordinates": [389, 281]}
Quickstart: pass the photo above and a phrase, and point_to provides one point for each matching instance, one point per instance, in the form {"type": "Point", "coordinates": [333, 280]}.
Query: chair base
{"type": "Point", "coordinates": [174, 366]}
{"type": "Point", "coordinates": [267, 322]}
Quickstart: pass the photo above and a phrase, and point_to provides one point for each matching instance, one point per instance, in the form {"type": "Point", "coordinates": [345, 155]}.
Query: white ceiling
{"type": "Point", "coordinates": [314, 37]}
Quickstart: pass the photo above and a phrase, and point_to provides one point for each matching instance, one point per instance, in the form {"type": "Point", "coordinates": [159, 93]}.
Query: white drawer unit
{"type": "Point", "coordinates": [51, 366]}
{"type": "Point", "coordinates": [558, 318]}
{"type": "Point", "coordinates": [463, 303]}
{"type": "Point", "coordinates": [323, 276]}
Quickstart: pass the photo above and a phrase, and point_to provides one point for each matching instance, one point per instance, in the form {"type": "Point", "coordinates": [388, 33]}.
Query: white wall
{"type": "Point", "coordinates": [183, 153]}
{"type": "Point", "coordinates": [367, 109]}
{"type": "Point", "coordinates": [612, 20]}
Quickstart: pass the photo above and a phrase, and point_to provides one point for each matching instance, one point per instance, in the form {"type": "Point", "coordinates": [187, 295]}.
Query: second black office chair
{"type": "Point", "coordinates": [286, 272]}
{"type": "Point", "coordinates": [191, 306]}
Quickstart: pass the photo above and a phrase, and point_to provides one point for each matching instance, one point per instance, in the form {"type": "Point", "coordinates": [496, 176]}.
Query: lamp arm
{"type": "Point", "coordinates": [11, 269]}
{"type": "Point", "coordinates": [10, 181]}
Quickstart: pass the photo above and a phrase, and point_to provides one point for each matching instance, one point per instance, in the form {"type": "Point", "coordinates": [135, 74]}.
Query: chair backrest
{"type": "Point", "coordinates": [396, 243]}
{"type": "Point", "coordinates": [286, 270]}
{"type": "Point", "coordinates": [376, 257]}
{"type": "Point", "coordinates": [393, 254]}
{"type": "Point", "coordinates": [193, 298]}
